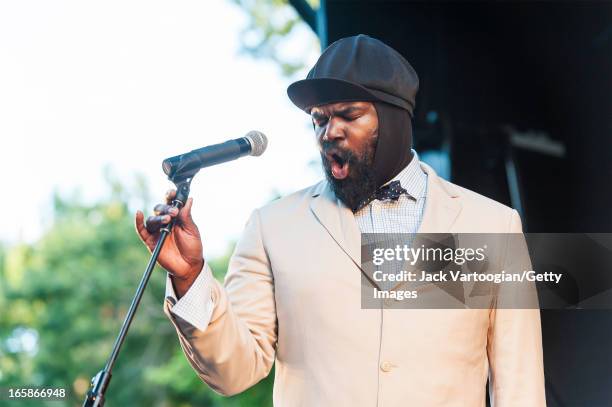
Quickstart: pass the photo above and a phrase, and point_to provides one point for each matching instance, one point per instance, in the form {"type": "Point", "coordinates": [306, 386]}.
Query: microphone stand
{"type": "Point", "coordinates": [100, 382]}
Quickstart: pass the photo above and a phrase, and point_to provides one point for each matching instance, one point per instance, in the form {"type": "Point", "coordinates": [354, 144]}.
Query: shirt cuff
{"type": "Point", "coordinates": [196, 306]}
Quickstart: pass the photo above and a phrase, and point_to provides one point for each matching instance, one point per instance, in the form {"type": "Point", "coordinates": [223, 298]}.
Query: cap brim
{"type": "Point", "coordinates": [308, 93]}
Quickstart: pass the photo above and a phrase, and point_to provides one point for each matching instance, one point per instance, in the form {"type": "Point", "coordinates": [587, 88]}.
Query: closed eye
{"type": "Point", "coordinates": [319, 119]}
{"type": "Point", "coordinates": [348, 115]}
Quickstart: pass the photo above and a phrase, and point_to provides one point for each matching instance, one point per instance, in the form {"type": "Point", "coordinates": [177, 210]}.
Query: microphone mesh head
{"type": "Point", "coordinates": [259, 142]}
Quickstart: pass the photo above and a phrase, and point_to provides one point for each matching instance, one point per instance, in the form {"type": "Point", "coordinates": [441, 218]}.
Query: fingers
{"type": "Point", "coordinates": [164, 213]}
{"type": "Point", "coordinates": [141, 229]}
{"type": "Point", "coordinates": [162, 209]}
{"type": "Point", "coordinates": [154, 223]}
{"type": "Point", "coordinates": [185, 219]}
{"type": "Point", "coordinates": [185, 213]}
{"type": "Point", "coordinates": [170, 194]}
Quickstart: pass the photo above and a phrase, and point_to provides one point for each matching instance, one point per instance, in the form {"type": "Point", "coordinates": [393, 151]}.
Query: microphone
{"type": "Point", "coordinates": [187, 165]}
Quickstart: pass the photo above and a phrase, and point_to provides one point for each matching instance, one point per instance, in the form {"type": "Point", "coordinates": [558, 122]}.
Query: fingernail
{"type": "Point", "coordinates": [166, 218]}
{"type": "Point", "coordinates": [173, 211]}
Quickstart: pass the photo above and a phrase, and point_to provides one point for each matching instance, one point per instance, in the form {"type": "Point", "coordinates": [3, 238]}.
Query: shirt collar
{"type": "Point", "coordinates": [412, 178]}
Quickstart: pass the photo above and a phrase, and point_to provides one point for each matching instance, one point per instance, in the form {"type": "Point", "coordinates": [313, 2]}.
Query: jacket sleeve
{"type": "Point", "coordinates": [514, 344]}
{"type": "Point", "coordinates": [237, 348]}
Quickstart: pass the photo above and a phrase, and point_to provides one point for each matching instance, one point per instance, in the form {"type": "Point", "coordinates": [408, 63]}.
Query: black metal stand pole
{"type": "Point", "coordinates": [100, 382]}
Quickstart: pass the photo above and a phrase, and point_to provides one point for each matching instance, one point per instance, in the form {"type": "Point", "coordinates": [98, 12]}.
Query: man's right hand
{"type": "Point", "coordinates": [181, 254]}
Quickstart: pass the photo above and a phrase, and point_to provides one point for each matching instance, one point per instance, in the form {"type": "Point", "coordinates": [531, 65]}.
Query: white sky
{"type": "Point", "coordinates": [86, 84]}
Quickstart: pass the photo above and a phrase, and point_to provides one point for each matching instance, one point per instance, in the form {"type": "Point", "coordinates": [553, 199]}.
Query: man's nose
{"type": "Point", "coordinates": [334, 130]}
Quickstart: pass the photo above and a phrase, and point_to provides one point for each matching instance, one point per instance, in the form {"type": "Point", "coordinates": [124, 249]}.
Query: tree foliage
{"type": "Point", "coordinates": [64, 297]}
{"type": "Point", "coordinates": [269, 28]}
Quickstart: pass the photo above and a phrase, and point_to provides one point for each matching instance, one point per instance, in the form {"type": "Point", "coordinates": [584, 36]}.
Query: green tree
{"type": "Point", "coordinates": [270, 26]}
{"type": "Point", "coordinates": [64, 297]}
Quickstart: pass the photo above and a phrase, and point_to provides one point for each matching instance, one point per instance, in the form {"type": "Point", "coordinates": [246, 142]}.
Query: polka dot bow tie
{"type": "Point", "coordinates": [392, 190]}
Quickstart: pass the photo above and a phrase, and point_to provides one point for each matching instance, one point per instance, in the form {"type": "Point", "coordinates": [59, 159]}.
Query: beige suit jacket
{"type": "Point", "coordinates": [292, 297]}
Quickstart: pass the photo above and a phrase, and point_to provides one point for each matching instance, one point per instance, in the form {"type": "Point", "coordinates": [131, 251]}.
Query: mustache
{"type": "Point", "coordinates": [331, 148]}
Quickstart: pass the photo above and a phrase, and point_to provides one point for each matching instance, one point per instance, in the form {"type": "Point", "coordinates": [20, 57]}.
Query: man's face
{"type": "Point", "coordinates": [347, 134]}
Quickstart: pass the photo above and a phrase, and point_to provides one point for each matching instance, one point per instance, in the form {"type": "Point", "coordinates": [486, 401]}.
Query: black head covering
{"type": "Point", "coordinates": [393, 148]}
{"type": "Point", "coordinates": [362, 68]}
{"type": "Point", "coordinates": [358, 68]}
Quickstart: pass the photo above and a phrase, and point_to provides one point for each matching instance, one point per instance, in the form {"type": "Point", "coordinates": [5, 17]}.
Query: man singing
{"type": "Point", "coordinates": [292, 292]}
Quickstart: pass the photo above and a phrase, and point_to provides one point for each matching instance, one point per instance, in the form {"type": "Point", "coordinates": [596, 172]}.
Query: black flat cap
{"type": "Point", "coordinates": [358, 68]}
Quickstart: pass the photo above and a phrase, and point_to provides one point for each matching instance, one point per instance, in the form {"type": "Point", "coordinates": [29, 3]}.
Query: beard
{"type": "Point", "coordinates": [358, 187]}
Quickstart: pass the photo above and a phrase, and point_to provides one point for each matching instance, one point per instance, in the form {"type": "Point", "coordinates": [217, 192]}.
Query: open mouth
{"type": "Point", "coordinates": [339, 164]}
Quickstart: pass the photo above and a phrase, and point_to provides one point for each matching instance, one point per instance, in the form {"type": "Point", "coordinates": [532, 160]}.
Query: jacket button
{"type": "Point", "coordinates": [386, 366]}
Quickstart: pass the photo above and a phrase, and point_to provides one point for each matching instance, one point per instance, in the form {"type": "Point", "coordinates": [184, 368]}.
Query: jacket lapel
{"type": "Point", "coordinates": [337, 220]}
{"type": "Point", "coordinates": [442, 207]}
